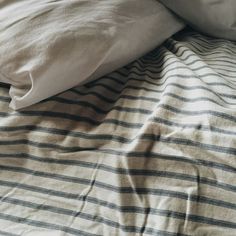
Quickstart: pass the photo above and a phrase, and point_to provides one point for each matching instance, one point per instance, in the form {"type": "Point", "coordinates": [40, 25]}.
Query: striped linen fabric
{"type": "Point", "coordinates": [147, 150]}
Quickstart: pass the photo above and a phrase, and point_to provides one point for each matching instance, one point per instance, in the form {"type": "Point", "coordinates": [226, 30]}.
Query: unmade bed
{"type": "Point", "coordinates": [146, 150]}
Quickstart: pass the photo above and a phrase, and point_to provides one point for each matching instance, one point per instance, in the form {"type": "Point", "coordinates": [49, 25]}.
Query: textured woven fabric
{"type": "Point", "coordinates": [147, 150]}
{"type": "Point", "coordinates": [47, 47]}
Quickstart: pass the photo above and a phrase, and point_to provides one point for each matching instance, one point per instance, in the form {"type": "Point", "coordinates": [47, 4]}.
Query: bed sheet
{"type": "Point", "coordinates": [149, 149]}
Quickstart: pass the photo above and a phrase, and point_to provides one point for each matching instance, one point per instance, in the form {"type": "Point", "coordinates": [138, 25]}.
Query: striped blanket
{"type": "Point", "coordinates": [147, 150]}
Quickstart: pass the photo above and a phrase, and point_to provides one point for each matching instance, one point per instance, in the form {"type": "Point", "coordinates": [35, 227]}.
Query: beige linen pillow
{"type": "Point", "coordinates": [213, 17]}
{"type": "Point", "coordinates": [47, 47]}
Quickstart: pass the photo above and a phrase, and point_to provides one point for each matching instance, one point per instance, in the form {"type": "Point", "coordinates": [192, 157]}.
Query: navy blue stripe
{"type": "Point", "coordinates": [199, 112]}
{"type": "Point", "coordinates": [175, 46]}
{"type": "Point", "coordinates": [121, 209]}
{"type": "Point", "coordinates": [114, 138]}
{"type": "Point", "coordinates": [154, 75]}
{"type": "Point", "coordinates": [148, 137]}
{"type": "Point", "coordinates": [171, 47]}
{"type": "Point", "coordinates": [194, 46]}
{"type": "Point", "coordinates": [200, 162]}
{"type": "Point", "coordinates": [221, 84]}
{"type": "Point", "coordinates": [213, 40]}
{"type": "Point", "coordinates": [158, 60]}
{"type": "Point", "coordinates": [146, 72]}
{"type": "Point", "coordinates": [188, 64]}
{"type": "Point", "coordinates": [79, 118]}
{"type": "Point", "coordinates": [129, 172]}
{"type": "Point", "coordinates": [183, 87]}
{"type": "Point", "coordinates": [122, 123]}
{"type": "Point", "coordinates": [197, 99]}
{"type": "Point", "coordinates": [77, 232]}
{"type": "Point", "coordinates": [202, 43]}
{"type": "Point", "coordinates": [119, 190]}
{"type": "Point", "coordinates": [199, 127]}
{"type": "Point", "coordinates": [158, 66]}
{"type": "Point", "coordinates": [209, 39]}
{"type": "Point", "coordinates": [151, 60]}
{"type": "Point", "coordinates": [130, 97]}
{"type": "Point", "coordinates": [206, 48]}
{"type": "Point", "coordinates": [99, 109]}
{"type": "Point", "coordinates": [86, 216]}
{"type": "Point", "coordinates": [112, 79]}
{"type": "Point", "coordinates": [165, 213]}
{"type": "Point", "coordinates": [127, 75]}
{"type": "Point", "coordinates": [142, 98]}
{"type": "Point", "coordinates": [94, 93]}
{"type": "Point", "coordinates": [4, 99]}
{"type": "Point", "coordinates": [45, 225]}
{"type": "Point", "coordinates": [161, 91]}
{"type": "Point", "coordinates": [149, 71]}
{"type": "Point", "coordinates": [5, 86]}
{"type": "Point", "coordinates": [3, 233]}
{"type": "Point", "coordinates": [195, 87]}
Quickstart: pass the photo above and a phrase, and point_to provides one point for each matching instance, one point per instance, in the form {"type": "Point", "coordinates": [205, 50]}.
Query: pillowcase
{"type": "Point", "coordinates": [213, 17]}
{"type": "Point", "coordinates": [47, 47]}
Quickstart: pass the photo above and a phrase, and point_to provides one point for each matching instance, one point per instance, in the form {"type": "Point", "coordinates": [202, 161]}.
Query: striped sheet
{"type": "Point", "coordinates": [147, 150]}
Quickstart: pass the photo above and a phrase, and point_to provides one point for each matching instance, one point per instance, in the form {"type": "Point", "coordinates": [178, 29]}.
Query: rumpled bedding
{"type": "Point", "coordinates": [47, 47]}
{"type": "Point", "coordinates": [149, 149]}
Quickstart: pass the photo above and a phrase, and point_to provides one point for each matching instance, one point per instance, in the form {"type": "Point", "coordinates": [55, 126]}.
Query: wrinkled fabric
{"type": "Point", "coordinates": [213, 17]}
{"type": "Point", "coordinates": [147, 150]}
{"type": "Point", "coordinates": [47, 47]}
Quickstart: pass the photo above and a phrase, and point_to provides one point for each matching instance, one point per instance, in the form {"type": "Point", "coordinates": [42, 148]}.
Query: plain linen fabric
{"type": "Point", "coordinates": [213, 17]}
{"type": "Point", "coordinates": [47, 47]}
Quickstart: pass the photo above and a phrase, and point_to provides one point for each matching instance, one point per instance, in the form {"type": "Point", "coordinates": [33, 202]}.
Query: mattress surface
{"type": "Point", "coordinates": [147, 150]}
